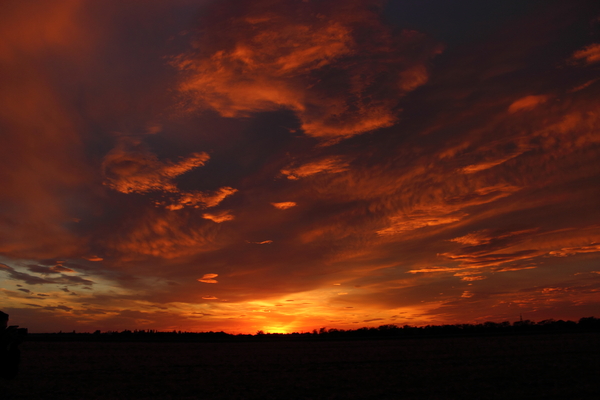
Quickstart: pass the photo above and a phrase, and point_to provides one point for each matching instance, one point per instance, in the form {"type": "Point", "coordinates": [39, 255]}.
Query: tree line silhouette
{"type": "Point", "coordinates": [587, 324]}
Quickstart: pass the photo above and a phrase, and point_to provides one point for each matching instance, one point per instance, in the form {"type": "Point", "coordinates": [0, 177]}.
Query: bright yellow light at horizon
{"type": "Point", "coordinates": [275, 329]}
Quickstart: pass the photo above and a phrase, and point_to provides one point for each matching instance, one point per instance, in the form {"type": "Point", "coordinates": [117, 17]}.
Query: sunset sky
{"type": "Point", "coordinates": [289, 165]}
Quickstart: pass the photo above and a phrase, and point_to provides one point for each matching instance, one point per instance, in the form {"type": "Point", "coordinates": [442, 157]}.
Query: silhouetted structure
{"type": "Point", "coordinates": [3, 321]}
{"type": "Point", "coordinates": [10, 355]}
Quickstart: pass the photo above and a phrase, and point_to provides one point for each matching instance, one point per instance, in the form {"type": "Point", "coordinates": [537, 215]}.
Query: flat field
{"type": "Point", "coordinates": [550, 366]}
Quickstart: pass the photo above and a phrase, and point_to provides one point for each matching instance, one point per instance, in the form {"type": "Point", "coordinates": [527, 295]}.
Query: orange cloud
{"type": "Point", "coordinates": [284, 205]}
{"type": "Point", "coordinates": [514, 268]}
{"type": "Point", "coordinates": [473, 168]}
{"type": "Point", "coordinates": [211, 199]}
{"type": "Point", "coordinates": [263, 242]}
{"type": "Point", "coordinates": [584, 85]}
{"type": "Point", "coordinates": [197, 199]}
{"type": "Point", "coordinates": [416, 220]}
{"type": "Point", "coordinates": [446, 212]}
{"type": "Point", "coordinates": [220, 217]}
{"type": "Point", "coordinates": [491, 259]}
{"type": "Point", "coordinates": [527, 103]}
{"type": "Point", "coordinates": [208, 278]}
{"type": "Point", "coordinates": [499, 250]}
{"type": "Point", "coordinates": [487, 237]}
{"type": "Point", "coordinates": [131, 168]}
{"type": "Point", "coordinates": [330, 165]}
{"type": "Point", "coordinates": [315, 60]}
{"type": "Point", "coordinates": [571, 251]}
{"type": "Point", "coordinates": [162, 233]}
{"type": "Point", "coordinates": [470, 278]}
{"type": "Point", "coordinates": [511, 250]}
{"type": "Point", "coordinates": [589, 54]}
{"type": "Point", "coordinates": [433, 270]}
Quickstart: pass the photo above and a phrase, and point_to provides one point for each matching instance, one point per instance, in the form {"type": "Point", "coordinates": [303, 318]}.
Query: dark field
{"type": "Point", "coordinates": [565, 366]}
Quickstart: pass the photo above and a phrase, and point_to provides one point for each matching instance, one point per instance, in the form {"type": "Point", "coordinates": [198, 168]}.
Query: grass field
{"type": "Point", "coordinates": [561, 366]}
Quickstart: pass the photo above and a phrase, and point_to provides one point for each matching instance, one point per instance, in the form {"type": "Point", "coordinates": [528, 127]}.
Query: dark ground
{"type": "Point", "coordinates": [542, 366]}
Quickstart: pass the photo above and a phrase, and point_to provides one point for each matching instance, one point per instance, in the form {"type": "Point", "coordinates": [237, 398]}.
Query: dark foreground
{"type": "Point", "coordinates": [549, 366]}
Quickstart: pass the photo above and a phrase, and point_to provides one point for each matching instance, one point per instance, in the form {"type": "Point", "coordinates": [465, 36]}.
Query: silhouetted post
{"type": "Point", "coordinates": [3, 321]}
{"type": "Point", "coordinates": [10, 355]}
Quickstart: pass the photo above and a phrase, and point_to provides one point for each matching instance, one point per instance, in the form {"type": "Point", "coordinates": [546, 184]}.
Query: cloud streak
{"type": "Point", "coordinates": [589, 54]}
{"type": "Point", "coordinates": [329, 165]}
{"type": "Point", "coordinates": [208, 278]}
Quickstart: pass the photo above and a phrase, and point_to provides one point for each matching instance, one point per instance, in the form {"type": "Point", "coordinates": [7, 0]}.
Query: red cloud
{"type": "Point", "coordinates": [208, 278]}
{"type": "Point", "coordinates": [219, 217]}
{"type": "Point", "coordinates": [330, 165]}
{"type": "Point", "coordinates": [527, 103]}
{"type": "Point", "coordinates": [162, 233]}
{"type": "Point", "coordinates": [589, 55]}
{"type": "Point", "coordinates": [284, 205]}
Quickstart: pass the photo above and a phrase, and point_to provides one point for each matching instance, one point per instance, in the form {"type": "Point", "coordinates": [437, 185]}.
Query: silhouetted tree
{"type": "Point", "coordinates": [589, 323]}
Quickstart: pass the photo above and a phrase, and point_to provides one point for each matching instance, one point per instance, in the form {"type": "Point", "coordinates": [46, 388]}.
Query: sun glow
{"type": "Point", "coordinates": [276, 329]}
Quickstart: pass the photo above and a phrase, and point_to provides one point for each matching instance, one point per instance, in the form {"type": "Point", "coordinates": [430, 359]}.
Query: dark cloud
{"type": "Point", "coordinates": [59, 307]}
{"type": "Point", "coordinates": [34, 280]}
{"type": "Point", "coordinates": [42, 270]}
{"type": "Point", "coordinates": [20, 276]}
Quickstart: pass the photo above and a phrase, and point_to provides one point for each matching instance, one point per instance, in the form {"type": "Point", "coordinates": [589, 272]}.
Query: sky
{"type": "Point", "coordinates": [283, 166]}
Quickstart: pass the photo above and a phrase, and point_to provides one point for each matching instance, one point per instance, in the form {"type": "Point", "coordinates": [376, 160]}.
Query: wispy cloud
{"type": "Point", "coordinates": [588, 55]}
{"type": "Point", "coordinates": [571, 251]}
{"type": "Point", "coordinates": [219, 217]}
{"type": "Point", "coordinates": [208, 278]}
{"type": "Point", "coordinates": [284, 205]}
{"type": "Point", "coordinates": [35, 280]}
{"type": "Point", "coordinates": [527, 103]}
{"type": "Point", "coordinates": [262, 242]}
{"type": "Point", "coordinates": [330, 165]}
